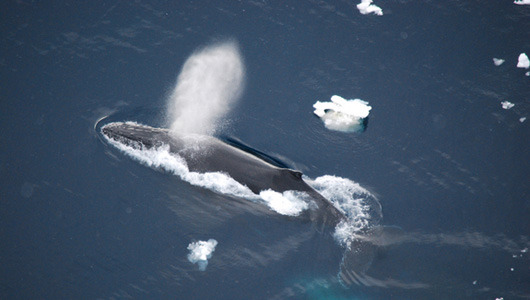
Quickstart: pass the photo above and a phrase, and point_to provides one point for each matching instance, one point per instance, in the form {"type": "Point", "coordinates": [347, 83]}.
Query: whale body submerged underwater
{"type": "Point", "coordinates": [208, 154]}
{"type": "Point", "coordinates": [258, 172]}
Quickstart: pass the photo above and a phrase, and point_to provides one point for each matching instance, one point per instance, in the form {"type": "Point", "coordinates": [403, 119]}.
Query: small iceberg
{"type": "Point", "coordinates": [343, 115]}
{"type": "Point", "coordinates": [523, 61]}
{"type": "Point", "coordinates": [498, 61]}
{"type": "Point", "coordinates": [200, 252]}
{"type": "Point", "coordinates": [366, 7]}
{"type": "Point", "coordinates": [507, 104]}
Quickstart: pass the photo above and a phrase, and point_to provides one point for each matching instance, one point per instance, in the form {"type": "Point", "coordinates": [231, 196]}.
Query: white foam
{"type": "Point", "coordinates": [523, 61]}
{"type": "Point", "coordinates": [341, 114]}
{"type": "Point", "coordinates": [498, 61]}
{"type": "Point", "coordinates": [507, 104]}
{"type": "Point", "coordinates": [360, 207]}
{"type": "Point", "coordinates": [200, 252]}
{"type": "Point", "coordinates": [366, 7]}
{"type": "Point", "coordinates": [287, 203]}
{"type": "Point", "coordinates": [209, 84]}
{"type": "Point", "coordinates": [522, 2]}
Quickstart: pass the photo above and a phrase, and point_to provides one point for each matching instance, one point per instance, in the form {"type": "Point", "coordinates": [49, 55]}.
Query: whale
{"type": "Point", "coordinates": [251, 168]}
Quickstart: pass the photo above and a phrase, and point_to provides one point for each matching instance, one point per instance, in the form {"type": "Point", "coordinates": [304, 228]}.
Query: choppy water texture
{"type": "Point", "coordinates": [447, 164]}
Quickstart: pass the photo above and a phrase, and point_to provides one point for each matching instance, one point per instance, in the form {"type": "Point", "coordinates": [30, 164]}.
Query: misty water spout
{"type": "Point", "coordinates": [210, 83]}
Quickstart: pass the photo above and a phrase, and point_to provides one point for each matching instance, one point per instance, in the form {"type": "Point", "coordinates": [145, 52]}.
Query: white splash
{"type": "Point", "coordinates": [498, 61]}
{"type": "Point", "coordinates": [366, 7]}
{"type": "Point", "coordinates": [343, 115]}
{"type": "Point", "coordinates": [361, 208]}
{"type": "Point", "coordinates": [200, 252]}
{"type": "Point", "coordinates": [289, 203]}
{"type": "Point", "coordinates": [507, 104]}
{"type": "Point", "coordinates": [210, 83]}
{"type": "Point", "coordinates": [523, 61]}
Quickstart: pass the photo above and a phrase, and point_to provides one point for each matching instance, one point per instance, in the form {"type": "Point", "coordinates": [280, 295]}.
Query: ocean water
{"type": "Point", "coordinates": [440, 156]}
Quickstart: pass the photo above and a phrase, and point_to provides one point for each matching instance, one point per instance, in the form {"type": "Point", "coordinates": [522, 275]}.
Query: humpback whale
{"type": "Point", "coordinates": [209, 154]}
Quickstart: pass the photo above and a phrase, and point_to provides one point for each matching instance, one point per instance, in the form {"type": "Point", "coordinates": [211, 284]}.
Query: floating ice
{"type": "Point", "coordinates": [366, 7]}
{"type": "Point", "coordinates": [200, 252]}
{"type": "Point", "coordinates": [522, 2]}
{"type": "Point", "coordinates": [527, 73]}
{"type": "Point", "coordinates": [522, 119]}
{"type": "Point", "coordinates": [343, 115]}
{"type": "Point", "coordinates": [498, 61]}
{"type": "Point", "coordinates": [523, 61]}
{"type": "Point", "coordinates": [507, 104]}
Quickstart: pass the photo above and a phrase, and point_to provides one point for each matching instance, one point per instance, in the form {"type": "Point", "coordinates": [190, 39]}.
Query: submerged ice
{"type": "Point", "coordinates": [498, 61]}
{"type": "Point", "coordinates": [200, 252]}
{"type": "Point", "coordinates": [343, 115]}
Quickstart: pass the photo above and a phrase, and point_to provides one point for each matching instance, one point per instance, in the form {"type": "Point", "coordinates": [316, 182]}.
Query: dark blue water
{"type": "Point", "coordinates": [450, 167]}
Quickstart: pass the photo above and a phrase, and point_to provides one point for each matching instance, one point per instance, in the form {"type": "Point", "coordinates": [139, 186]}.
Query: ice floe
{"type": "Point", "coordinates": [498, 61]}
{"type": "Point", "coordinates": [200, 252]}
{"type": "Point", "coordinates": [522, 2]}
{"type": "Point", "coordinates": [507, 104]}
{"type": "Point", "coordinates": [366, 7]}
{"type": "Point", "coordinates": [343, 115]}
{"type": "Point", "coordinates": [523, 61]}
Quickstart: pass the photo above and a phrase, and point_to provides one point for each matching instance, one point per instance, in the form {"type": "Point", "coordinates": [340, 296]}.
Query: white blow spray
{"type": "Point", "coordinates": [209, 84]}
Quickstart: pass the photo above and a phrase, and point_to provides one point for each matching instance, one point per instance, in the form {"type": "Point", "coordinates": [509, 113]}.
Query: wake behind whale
{"type": "Point", "coordinates": [188, 150]}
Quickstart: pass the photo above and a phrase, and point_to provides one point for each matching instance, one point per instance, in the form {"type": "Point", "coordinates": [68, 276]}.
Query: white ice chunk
{"type": "Point", "coordinates": [289, 203]}
{"type": "Point", "coordinates": [498, 61]}
{"type": "Point", "coordinates": [200, 252]}
{"type": "Point", "coordinates": [522, 119]}
{"type": "Point", "coordinates": [523, 61]}
{"type": "Point", "coordinates": [522, 2]}
{"type": "Point", "coordinates": [507, 104]}
{"type": "Point", "coordinates": [527, 73]}
{"type": "Point", "coordinates": [341, 114]}
{"type": "Point", "coordinates": [366, 7]}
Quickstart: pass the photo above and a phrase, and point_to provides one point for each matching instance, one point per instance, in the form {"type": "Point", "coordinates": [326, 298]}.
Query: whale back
{"type": "Point", "coordinates": [209, 154]}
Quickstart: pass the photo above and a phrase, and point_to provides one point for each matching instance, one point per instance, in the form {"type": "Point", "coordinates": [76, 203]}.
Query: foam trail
{"type": "Point", "coordinates": [209, 84]}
